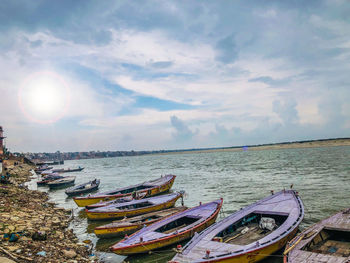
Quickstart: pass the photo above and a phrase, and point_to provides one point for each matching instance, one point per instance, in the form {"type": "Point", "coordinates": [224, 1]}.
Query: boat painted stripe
{"type": "Point", "coordinates": [214, 215]}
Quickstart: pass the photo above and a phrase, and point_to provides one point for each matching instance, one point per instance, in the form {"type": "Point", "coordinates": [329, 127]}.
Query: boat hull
{"type": "Point", "coordinates": [253, 256]}
{"type": "Point", "coordinates": [77, 191]}
{"type": "Point", "coordinates": [71, 170]}
{"type": "Point", "coordinates": [128, 246]}
{"type": "Point", "coordinates": [121, 229]}
{"type": "Point", "coordinates": [91, 189]}
{"type": "Point", "coordinates": [56, 186]}
{"type": "Point", "coordinates": [43, 182]}
{"type": "Point", "coordinates": [146, 247]}
{"type": "Point", "coordinates": [117, 231]}
{"type": "Point", "coordinates": [82, 202]}
{"type": "Point", "coordinates": [90, 200]}
{"type": "Point", "coordinates": [129, 213]}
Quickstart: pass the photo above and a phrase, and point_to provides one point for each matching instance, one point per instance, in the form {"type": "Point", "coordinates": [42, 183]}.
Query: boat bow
{"type": "Point", "coordinates": [211, 245]}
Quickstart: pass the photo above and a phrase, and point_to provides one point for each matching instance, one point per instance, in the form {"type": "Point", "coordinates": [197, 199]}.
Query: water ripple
{"type": "Point", "coordinates": [321, 175]}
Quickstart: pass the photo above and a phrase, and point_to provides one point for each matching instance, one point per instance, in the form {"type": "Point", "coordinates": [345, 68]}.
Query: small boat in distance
{"type": "Point", "coordinates": [170, 230]}
{"type": "Point", "coordinates": [63, 182]}
{"type": "Point", "coordinates": [48, 172]}
{"type": "Point", "coordinates": [42, 168]}
{"type": "Point", "coordinates": [50, 163]}
{"type": "Point", "coordinates": [132, 224]}
{"type": "Point", "coordinates": [325, 241]}
{"type": "Point", "coordinates": [69, 170]}
{"type": "Point", "coordinates": [49, 178]}
{"type": "Point", "coordinates": [151, 188]}
{"type": "Point", "coordinates": [83, 188]}
{"type": "Point", "coordinates": [134, 207]}
{"type": "Point", "coordinates": [250, 234]}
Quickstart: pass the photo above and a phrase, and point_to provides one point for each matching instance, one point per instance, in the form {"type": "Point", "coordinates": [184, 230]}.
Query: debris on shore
{"type": "Point", "coordinates": [32, 229]}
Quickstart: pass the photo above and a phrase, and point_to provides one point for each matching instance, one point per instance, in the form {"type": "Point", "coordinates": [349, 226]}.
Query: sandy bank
{"type": "Point", "coordinates": [277, 146]}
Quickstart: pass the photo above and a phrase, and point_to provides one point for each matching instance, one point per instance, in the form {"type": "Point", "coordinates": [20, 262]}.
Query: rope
{"type": "Point", "coordinates": [308, 213]}
{"type": "Point", "coordinates": [222, 213]}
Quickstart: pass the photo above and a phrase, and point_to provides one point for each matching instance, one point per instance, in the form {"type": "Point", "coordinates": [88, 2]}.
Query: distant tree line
{"type": "Point", "coordinates": [105, 154]}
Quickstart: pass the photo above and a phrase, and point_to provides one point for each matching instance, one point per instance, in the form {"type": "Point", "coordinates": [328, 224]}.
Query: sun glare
{"type": "Point", "coordinates": [44, 97]}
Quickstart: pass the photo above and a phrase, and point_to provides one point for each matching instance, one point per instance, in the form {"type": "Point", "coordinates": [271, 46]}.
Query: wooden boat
{"type": "Point", "coordinates": [83, 188]}
{"type": "Point", "coordinates": [49, 178]}
{"type": "Point", "coordinates": [52, 171]}
{"type": "Point", "coordinates": [69, 170]}
{"type": "Point", "coordinates": [51, 163]}
{"type": "Point", "coordinates": [132, 224]}
{"type": "Point", "coordinates": [151, 188]}
{"type": "Point", "coordinates": [326, 241]}
{"type": "Point", "coordinates": [170, 230]}
{"type": "Point", "coordinates": [42, 168]}
{"type": "Point", "coordinates": [63, 182]}
{"type": "Point", "coordinates": [250, 234]}
{"type": "Point", "coordinates": [118, 200]}
{"type": "Point", "coordinates": [134, 207]}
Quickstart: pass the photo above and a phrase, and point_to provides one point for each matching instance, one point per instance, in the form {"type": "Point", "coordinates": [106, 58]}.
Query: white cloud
{"type": "Point", "coordinates": [299, 64]}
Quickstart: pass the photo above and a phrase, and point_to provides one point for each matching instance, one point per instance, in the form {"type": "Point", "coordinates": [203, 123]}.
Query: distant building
{"type": "Point", "coordinates": [1, 141]}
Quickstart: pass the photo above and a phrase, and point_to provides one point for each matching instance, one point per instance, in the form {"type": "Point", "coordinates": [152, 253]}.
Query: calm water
{"type": "Point", "coordinates": [321, 175]}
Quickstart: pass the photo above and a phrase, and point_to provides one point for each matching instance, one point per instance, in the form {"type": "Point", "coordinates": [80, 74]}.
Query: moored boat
{"type": "Point", "coordinates": [48, 172]}
{"type": "Point", "coordinates": [83, 188]}
{"type": "Point", "coordinates": [69, 170]}
{"type": "Point", "coordinates": [250, 234]}
{"type": "Point", "coordinates": [114, 201]}
{"type": "Point", "coordinates": [170, 230]}
{"type": "Point", "coordinates": [132, 224]}
{"type": "Point", "coordinates": [151, 188]}
{"type": "Point", "coordinates": [63, 182]}
{"type": "Point", "coordinates": [134, 207]}
{"type": "Point", "coordinates": [128, 198]}
{"type": "Point", "coordinates": [49, 178]}
{"type": "Point", "coordinates": [325, 241]}
{"type": "Point", "coordinates": [42, 168]}
{"type": "Point", "coordinates": [50, 163]}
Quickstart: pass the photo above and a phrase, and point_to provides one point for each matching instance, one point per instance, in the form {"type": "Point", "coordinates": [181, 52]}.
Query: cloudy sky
{"type": "Point", "coordinates": [148, 75]}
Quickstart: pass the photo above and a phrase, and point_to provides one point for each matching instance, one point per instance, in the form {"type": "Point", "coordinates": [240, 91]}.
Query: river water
{"type": "Point", "coordinates": [321, 175]}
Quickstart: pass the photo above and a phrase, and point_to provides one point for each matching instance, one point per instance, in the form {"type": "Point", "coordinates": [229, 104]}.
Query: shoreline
{"type": "Point", "coordinates": [277, 146]}
{"type": "Point", "coordinates": [43, 230]}
{"type": "Point", "coordinates": [45, 157]}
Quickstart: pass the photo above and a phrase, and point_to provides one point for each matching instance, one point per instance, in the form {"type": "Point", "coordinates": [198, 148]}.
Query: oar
{"type": "Point", "coordinates": [291, 247]}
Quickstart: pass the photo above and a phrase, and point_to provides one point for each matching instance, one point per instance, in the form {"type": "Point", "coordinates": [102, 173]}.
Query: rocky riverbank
{"type": "Point", "coordinates": [40, 227]}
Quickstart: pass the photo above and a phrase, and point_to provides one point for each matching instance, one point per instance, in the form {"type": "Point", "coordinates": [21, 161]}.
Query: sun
{"type": "Point", "coordinates": [44, 97]}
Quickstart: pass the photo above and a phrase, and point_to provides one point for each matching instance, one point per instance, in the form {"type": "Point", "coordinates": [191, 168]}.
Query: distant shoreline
{"type": "Point", "coordinates": [49, 157]}
{"type": "Point", "coordinates": [274, 146]}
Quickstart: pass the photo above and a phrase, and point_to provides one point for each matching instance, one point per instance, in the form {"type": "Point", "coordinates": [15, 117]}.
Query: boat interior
{"type": "Point", "coordinates": [64, 180]}
{"type": "Point", "coordinates": [250, 228]}
{"type": "Point", "coordinates": [135, 206]}
{"type": "Point", "coordinates": [84, 186]}
{"type": "Point", "coordinates": [146, 219]}
{"type": "Point", "coordinates": [330, 242]}
{"type": "Point", "coordinates": [131, 189]}
{"type": "Point", "coordinates": [177, 224]}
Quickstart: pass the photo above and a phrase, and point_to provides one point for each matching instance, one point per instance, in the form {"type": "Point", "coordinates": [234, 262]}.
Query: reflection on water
{"type": "Point", "coordinates": [321, 176]}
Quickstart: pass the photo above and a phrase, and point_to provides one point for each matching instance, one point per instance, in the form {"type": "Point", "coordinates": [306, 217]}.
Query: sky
{"type": "Point", "coordinates": [150, 75]}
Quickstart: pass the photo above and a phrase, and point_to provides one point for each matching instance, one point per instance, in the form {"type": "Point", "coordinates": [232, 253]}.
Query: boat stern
{"type": "Point", "coordinates": [118, 231]}
{"type": "Point", "coordinates": [90, 200]}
